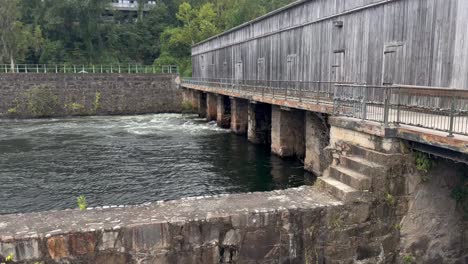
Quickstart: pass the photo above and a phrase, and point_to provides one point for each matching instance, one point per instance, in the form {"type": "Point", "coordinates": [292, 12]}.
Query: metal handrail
{"type": "Point", "coordinates": [435, 108]}
{"type": "Point", "coordinates": [89, 69]}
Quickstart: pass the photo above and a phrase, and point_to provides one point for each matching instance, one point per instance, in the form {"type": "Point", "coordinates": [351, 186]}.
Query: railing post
{"type": "Point", "coordinates": [83, 69]}
{"type": "Point", "coordinates": [112, 69]}
{"type": "Point", "coordinates": [56, 68]}
{"type": "Point", "coordinates": [335, 100]}
{"type": "Point", "coordinates": [452, 117]}
{"type": "Point", "coordinates": [386, 105]}
{"type": "Point", "coordinates": [37, 68]}
{"type": "Point", "coordinates": [45, 68]}
{"type": "Point", "coordinates": [119, 69]}
{"type": "Point", "coordinates": [364, 104]}
{"type": "Point", "coordinates": [398, 107]}
{"type": "Point", "coordinates": [101, 68]}
{"type": "Point", "coordinates": [272, 90]}
{"type": "Point", "coordinates": [300, 90]}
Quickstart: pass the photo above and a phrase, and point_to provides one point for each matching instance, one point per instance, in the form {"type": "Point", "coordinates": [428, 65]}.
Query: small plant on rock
{"type": "Point", "coordinates": [408, 259]}
{"type": "Point", "coordinates": [187, 107]}
{"type": "Point", "coordinates": [82, 203]}
{"type": "Point", "coordinates": [423, 164]}
{"type": "Point", "coordinates": [75, 108]}
{"type": "Point", "coordinates": [8, 259]}
{"type": "Point", "coordinates": [97, 102]}
{"type": "Point", "coordinates": [390, 199]}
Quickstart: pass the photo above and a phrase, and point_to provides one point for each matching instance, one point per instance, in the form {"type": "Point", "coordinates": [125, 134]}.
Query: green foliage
{"type": "Point", "coordinates": [12, 111]}
{"type": "Point", "coordinates": [8, 259]}
{"type": "Point", "coordinates": [75, 108]}
{"type": "Point", "coordinates": [336, 222]}
{"type": "Point", "coordinates": [390, 199]}
{"type": "Point", "coordinates": [97, 102]}
{"type": "Point", "coordinates": [188, 107]}
{"type": "Point", "coordinates": [82, 32]}
{"type": "Point", "coordinates": [460, 194]}
{"type": "Point", "coordinates": [82, 203]}
{"type": "Point", "coordinates": [423, 162]}
{"type": "Point", "coordinates": [42, 102]}
{"type": "Point", "coordinates": [408, 259]}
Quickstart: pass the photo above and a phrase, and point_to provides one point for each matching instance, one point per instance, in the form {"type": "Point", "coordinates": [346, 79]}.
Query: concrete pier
{"type": "Point", "coordinates": [201, 102]}
{"type": "Point", "coordinates": [239, 116]}
{"type": "Point", "coordinates": [223, 117]}
{"type": "Point", "coordinates": [317, 138]}
{"type": "Point", "coordinates": [259, 129]}
{"type": "Point", "coordinates": [211, 106]}
{"type": "Point", "coordinates": [287, 132]}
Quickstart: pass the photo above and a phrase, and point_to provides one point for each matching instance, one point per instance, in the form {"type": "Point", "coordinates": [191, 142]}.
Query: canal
{"type": "Point", "coordinates": [47, 164]}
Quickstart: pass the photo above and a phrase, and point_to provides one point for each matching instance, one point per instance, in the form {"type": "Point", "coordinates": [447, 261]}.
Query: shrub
{"type": "Point", "coordinates": [42, 102]}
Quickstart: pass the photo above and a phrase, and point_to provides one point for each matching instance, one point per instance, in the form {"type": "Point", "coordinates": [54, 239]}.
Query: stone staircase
{"type": "Point", "coordinates": [357, 172]}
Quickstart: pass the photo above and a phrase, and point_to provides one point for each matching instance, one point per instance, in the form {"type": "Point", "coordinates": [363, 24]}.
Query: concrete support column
{"type": "Point", "coordinates": [194, 98]}
{"type": "Point", "coordinates": [211, 106]}
{"type": "Point", "coordinates": [317, 138]}
{"type": "Point", "coordinates": [259, 128]}
{"type": "Point", "coordinates": [223, 117]}
{"type": "Point", "coordinates": [239, 116]}
{"type": "Point", "coordinates": [287, 132]}
{"type": "Point", "coordinates": [201, 102]}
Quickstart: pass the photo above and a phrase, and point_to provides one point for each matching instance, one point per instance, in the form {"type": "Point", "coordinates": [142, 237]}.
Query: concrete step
{"type": "Point", "coordinates": [351, 178]}
{"type": "Point", "coordinates": [376, 156]}
{"type": "Point", "coordinates": [363, 166]}
{"type": "Point", "coordinates": [338, 189]}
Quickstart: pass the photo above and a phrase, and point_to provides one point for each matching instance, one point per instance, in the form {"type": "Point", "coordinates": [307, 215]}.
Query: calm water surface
{"type": "Point", "coordinates": [47, 164]}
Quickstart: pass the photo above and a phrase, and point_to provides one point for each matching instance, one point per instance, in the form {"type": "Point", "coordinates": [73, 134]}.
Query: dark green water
{"type": "Point", "coordinates": [47, 164]}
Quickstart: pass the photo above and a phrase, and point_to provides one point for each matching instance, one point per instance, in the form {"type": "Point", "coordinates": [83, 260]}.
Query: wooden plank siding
{"type": "Point", "coordinates": [420, 42]}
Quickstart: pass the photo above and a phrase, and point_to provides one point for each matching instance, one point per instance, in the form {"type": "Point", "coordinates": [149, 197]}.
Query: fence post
{"type": "Point", "coordinates": [335, 99]}
{"type": "Point", "coordinates": [364, 104]}
{"type": "Point", "coordinates": [112, 70]}
{"type": "Point", "coordinates": [56, 68]}
{"type": "Point", "coordinates": [398, 107]}
{"type": "Point", "coordinates": [301, 83]}
{"type": "Point", "coordinates": [386, 105]}
{"type": "Point", "coordinates": [452, 117]}
{"type": "Point", "coordinates": [45, 68]}
{"type": "Point", "coordinates": [37, 68]}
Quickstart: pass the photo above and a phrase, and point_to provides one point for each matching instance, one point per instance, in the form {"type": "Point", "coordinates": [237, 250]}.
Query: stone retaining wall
{"type": "Point", "coordinates": [299, 225]}
{"type": "Point", "coordinates": [55, 95]}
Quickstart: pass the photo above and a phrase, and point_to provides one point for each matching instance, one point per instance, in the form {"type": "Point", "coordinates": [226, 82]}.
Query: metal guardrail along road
{"type": "Point", "coordinates": [440, 109]}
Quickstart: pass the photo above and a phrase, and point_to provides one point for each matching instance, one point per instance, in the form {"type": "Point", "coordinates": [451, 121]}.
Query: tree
{"type": "Point", "coordinates": [197, 24]}
{"type": "Point", "coordinates": [15, 37]}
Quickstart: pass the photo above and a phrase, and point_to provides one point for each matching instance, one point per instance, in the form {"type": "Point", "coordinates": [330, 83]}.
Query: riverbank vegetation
{"type": "Point", "coordinates": [91, 32]}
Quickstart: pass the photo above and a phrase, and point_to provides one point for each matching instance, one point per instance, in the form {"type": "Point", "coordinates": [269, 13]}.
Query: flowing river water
{"type": "Point", "coordinates": [47, 164]}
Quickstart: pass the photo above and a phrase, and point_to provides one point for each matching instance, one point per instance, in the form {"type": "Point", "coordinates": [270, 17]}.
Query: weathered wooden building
{"type": "Point", "coordinates": [414, 42]}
